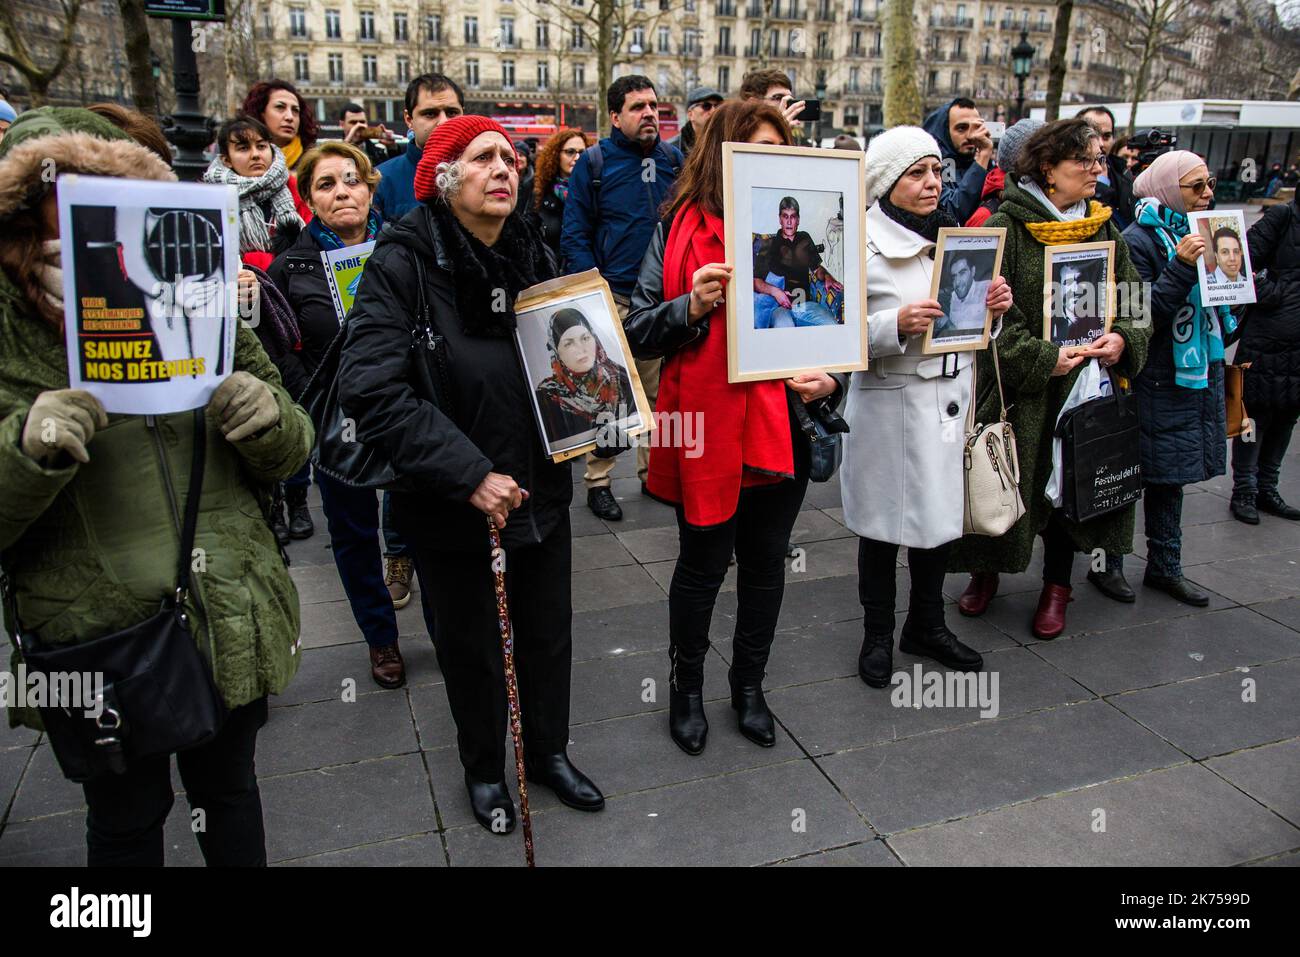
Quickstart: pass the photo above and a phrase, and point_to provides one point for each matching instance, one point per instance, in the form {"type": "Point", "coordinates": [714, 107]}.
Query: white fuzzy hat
{"type": "Point", "coordinates": [889, 154]}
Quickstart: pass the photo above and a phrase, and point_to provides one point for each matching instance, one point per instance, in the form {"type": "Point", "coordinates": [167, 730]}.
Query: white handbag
{"type": "Point", "coordinates": [992, 468]}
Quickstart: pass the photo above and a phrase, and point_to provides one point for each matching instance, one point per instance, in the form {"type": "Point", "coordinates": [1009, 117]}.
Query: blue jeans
{"type": "Point", "coordinates": [394, 545]}
{"type": "Point", "coordinates": [352, 515]}
{"type": "Point", "coordinates": [1163, 505]}
{"type": "Point", "coordinates": [300, 478]}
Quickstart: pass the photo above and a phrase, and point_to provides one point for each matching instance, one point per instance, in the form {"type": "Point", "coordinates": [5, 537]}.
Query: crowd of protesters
{"type": "Point", "coordinates": [461, 210]}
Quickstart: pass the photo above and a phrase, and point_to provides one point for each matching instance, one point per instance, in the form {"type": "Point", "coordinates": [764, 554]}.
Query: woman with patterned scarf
{"type": "Point", "coordinates": [585, 387]}
{"type": "Point", "coordinates": [1048, 204]}
{"type": "Point", "coordinates": [555, 162]}
{"type": "Point", "coordinates": [271, 212]}
{"type": "Point", "coordinates": [1180, 390]}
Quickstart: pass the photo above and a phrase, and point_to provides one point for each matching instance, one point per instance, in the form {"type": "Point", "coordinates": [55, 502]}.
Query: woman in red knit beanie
{"type": "Point", "coordinates": [474, 454]}
{"type": "Point", "coordinates": [743, 493]}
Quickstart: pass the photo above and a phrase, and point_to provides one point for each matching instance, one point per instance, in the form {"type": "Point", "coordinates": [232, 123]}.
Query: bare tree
{"type": "Point", "coordinates": [20, 57]}
{"type": "Point", "coordinates": [1056, 65]}
{"type": "Point", "coordinates": [1257, 54]}
{"type": "Point", "coordinates": [902, 94]}
{"type": "Point", "coordinates": [139, 56]}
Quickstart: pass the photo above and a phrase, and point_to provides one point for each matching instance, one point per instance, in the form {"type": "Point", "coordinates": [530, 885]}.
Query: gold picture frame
{"type": "Point", "coordinates": [1082, 253]}
{"type": "Point", "coordinates": [958, 342]}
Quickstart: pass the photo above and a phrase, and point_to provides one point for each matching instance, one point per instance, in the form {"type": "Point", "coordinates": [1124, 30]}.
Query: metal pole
{"type": "Point", "coordinates": [188, 129]}
{"type": "Point", "coordinates": [1020, 98]}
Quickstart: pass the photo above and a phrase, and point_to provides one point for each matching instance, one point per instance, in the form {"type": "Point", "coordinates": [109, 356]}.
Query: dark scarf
{"type": "Point", "coordinates": [517, 261]}
{"type": "Point", "coordinates": [926, 226]}
{"type": "Point", "coordinates": [326, 238]}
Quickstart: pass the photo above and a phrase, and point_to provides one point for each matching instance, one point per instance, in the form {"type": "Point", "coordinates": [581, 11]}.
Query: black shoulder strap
{"type": "Point", "coordinates": [190, 523]}
{"type": "Point", "coordinates": [596, 163]}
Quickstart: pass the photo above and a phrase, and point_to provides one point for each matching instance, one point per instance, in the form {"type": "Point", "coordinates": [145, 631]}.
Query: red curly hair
{"type": "Point", "coordinates": [548, 161]}
{"type": "Point", "coordinates": [259, 95]}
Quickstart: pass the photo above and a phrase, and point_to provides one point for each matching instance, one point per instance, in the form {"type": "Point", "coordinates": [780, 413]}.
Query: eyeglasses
{"type": "Point", "coordinates": [571, 152]}
{"type": "Point", "coordinates": [1086, 163]}
{"type": "Point", "coordinates": [708, 106]}
{"type": "Point", "coordinates": [1201, 185]}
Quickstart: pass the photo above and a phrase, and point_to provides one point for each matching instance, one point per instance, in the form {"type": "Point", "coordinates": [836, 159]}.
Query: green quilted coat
{"type": "Point", "coordinates": [1035, 396]}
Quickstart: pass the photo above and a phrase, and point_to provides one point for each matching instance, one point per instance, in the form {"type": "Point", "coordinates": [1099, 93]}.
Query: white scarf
{"type": "Point", "coordinates": [272, 185]}
{"type": "Point", "coordinates": [1078, 211]}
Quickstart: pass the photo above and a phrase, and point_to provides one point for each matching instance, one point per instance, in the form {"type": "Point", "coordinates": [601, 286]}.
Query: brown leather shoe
{"type": "Point", "coordinates": [397, 576]}
{"type": "Point", "coordinates": [974, 601]}
{"type": "Point", "coordinates": [387, 667]}
{"type": "Point", "coordinates": [1049, 619]}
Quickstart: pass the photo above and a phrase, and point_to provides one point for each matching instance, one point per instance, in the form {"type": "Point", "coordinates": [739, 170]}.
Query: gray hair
{"type": "Point", "coordinates": [448, 177]}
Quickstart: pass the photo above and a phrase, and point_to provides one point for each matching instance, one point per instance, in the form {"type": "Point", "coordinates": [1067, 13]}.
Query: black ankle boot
{"type": "Point", "coordinates": [942, 645]}
{"type": "Point", "coordinates": [686, 721]}
{"type": "Point", "coordinates": [1269, 501]}
{"type": "Point", "coordinates": [876, 659]}
{"type": "Point", "coordinates": [300, 523]}
{"type": "Point", "coordinates": [570, 785]}
{"type": "Point", "coordinates": [491, 805]}
{"type": "Point", "coordinates": [752, 715]}
{"type": "Point", "coordinates": [1242, 506]}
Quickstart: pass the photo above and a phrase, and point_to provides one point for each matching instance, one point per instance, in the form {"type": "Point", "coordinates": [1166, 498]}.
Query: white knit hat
{"type": "Point", "coordinates": [889, 155]}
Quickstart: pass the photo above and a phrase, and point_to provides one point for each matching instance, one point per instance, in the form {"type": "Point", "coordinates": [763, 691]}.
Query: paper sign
{"type": "Point", "coordinates": [343, 268]}
{"type": "Point", "coordinates": [1224, 270]}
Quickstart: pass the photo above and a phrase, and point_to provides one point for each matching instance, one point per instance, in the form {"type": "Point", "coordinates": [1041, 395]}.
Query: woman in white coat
{"type": "Point", "coordinates": [902, 471]}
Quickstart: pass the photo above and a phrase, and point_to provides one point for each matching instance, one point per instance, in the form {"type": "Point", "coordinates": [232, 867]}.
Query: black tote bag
{"type": "Point", "coordinates": [1101, 456]}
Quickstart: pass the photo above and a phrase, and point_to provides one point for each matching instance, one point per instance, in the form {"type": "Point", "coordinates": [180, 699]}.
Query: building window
{"type": "Point", "coordinates": [433, 28]}
{"type": "Point", "coordinates": [366, 28]}
{"type": "Point", "coordinates": [665, 40]}
{"type": "Point", "coordinates": [300, 71]}
{"type": "Point", "coordinates": [578, 41]}
{"type": "Point", "coordinates": [508, 32]}
{"type": "Point", "coordinates": [543, 35]}
{"type": "Point", "coordinates": [471, 31]}
{"type": "Point", "coordinates": [876, 80]}
{"type": "Point", "coordinates": [333, 28]}
{"type": "Point", "coordinates": [855, 81]}
{"type": "Point", "coordinates": [471, 73]}
{"type": "Point", "coordinates": [297, 21]}
{"type": "Point", "coordinates": [399, 28]}
{"type": "Point", "coordinates": [579, 76]}
{"type": "Point", "coordinates": [507, 74]}
{"type": "Point", "coordinates": [638, 40]}
{"type": "Point", "coordinates": [336, 67]}
{"type": "Point", "coordinates": [543, 75]}
{"type": "Point", "coordinates": [369, 69]}
{"type": "Point", "coordinates": [403, 70]}
{"type": "Point", "coordinates": [954, 81]}
{"type": "Point", "coordinates": [724, 78]}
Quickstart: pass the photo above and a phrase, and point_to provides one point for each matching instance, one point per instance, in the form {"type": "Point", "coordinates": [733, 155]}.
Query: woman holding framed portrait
{"type": "Point", "coordinates": [739, 490]}
{"type": "Point", "coordinates": [1049, 204]}
{"type": "Point", "coordinates": [902, 473]}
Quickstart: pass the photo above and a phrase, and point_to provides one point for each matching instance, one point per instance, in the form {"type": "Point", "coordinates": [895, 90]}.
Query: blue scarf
{"type": "Point", "coordinates": [561, 188]}
{"type": "Point", "coordinates": [1197, 342]}
{"type": "Point", "coordinates": [326, 238]}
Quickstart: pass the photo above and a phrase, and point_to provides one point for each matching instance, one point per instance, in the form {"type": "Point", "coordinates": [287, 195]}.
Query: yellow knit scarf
{"type": "Point", "coordinates": [1058, 233]}
{"type": "Point", "coordinates": [292, 153]}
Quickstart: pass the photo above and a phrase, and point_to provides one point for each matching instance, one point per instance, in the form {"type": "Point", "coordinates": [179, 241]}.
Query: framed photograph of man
{"type": "Point", "coordinates": [798, 296]}
{"type": "Point", "coordinates": [1224, 269]}
{"type": "Point", "coordinates": [1078, 293]}
{"type": "Point", "coordinates": [965, 262]}
{"type": "Point", "coordinates": [584, 385]}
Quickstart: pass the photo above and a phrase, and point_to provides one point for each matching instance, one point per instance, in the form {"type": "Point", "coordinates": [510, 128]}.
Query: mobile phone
{"type": "Point", "coordinates": [374, 132]}
{"type": "Point", "coordinates": [812, 110]}
{"type": "Point", "coordinates": [996, 130]}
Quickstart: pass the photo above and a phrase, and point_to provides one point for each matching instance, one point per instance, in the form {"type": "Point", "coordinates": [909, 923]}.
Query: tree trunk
{"type": "Point", "coordinates": [604, 62]}
{"type": "Point", "coordinates": [135, 26]}
{"type": "Point", "coordinates": [1143, 74]}
{"type": "Point", "coordinates": [902, 96]}
{"type": "Point", "coordinates": [1056, 65]}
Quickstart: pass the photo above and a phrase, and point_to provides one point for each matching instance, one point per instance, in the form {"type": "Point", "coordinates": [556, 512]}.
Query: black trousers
{"type": "Point", "coordinates": [877, 585]}
{"type": "Point", "coordinates": [1058, 551]}
{"type": "Point", "coordinates": [461, 614]}
{"type": "Point", "coordinates": [1257, 465]}
{"type": "Point", "coordinates": [759, 536]}
{"type": "Point", "coordinates": [124, 823]}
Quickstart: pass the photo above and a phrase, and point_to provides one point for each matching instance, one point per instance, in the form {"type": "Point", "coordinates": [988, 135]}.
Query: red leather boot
{"type": "Point", "coordinates": [1049, 619]}
{"type": "Point", "coordinates": [974, 601]}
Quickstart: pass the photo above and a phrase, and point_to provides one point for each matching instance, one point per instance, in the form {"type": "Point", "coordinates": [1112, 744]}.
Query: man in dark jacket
{"type": "Point", "coordinates": [431, 99]}
{"type": "Point", "coordinates": [608, 228]}
{"type": "Point", "coordinates": [355, 123]}
{"type": "Point", "coordinates": [700, 104]}
{"type": "Point", "coordinates": [1114, 187]}
{"type": "Point", "coordinates": [967, 156]}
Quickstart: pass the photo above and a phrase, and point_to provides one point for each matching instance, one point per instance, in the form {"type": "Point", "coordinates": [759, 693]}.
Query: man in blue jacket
{"type": "Point", "coordinates": [431, 99]}
{"type": "Point", "coordinates": [615, 192]}
{"type": "Point", "coordinates": [967, 156]}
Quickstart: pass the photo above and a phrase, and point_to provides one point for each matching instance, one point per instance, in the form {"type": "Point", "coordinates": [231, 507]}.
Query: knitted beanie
{"type": "Point", "coordinates": [891, 153]}
{"type": "Point", "coordinates": [445, 144]}
{"type": "Point", "coordinates": [1013, 140]}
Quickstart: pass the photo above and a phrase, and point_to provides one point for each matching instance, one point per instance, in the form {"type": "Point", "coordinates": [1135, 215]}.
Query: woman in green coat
{"type": "Point", "coordinates": [1049, 204]}
{"type": "Point", "coordinates": [88, 535]}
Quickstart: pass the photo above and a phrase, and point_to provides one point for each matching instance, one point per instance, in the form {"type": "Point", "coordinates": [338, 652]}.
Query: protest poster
{"type": "Point", "coordinates": [1224, 270]}
{"type": "Point", "coordinates": [150, 290]}
{"type": "Point", "coordinates": [343, 269]}
{"type": "Point", "coordinates": [966, 261]}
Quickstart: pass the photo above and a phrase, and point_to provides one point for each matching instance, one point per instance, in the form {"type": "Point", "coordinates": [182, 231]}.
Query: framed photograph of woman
{"type": "Point", "coordinates": [1225, 274]}
{"type": "Point", "coordinates": [585, 389]}
{"type": "Point", "coordinates": [965, 262]}
{"type": "Point", "coordinates": [799, 295]}
{"type": "Point", "coordinates": [1078, 292]}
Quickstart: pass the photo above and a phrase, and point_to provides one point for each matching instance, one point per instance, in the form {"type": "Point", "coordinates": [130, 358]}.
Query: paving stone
{"type": "Point", "coordinates": [433, 722]}
{"type": "Point", "coordinates": [322, 671]}
{"type": "Point", "coordinates": [1206, 716]}
{"type": "Point", "coordinates": [615, 686]}
{"type": "Point", "coordinates": [421, 850]}
{"type": "Point", "coordinates": [1250, 580]}
{"type": "Point", "coordinates": [836, 514]}
{"type": "Point", "coordinates": [824, 494]}
{"type": "Point", "coordinates": [328, 623]}
{"type": "Point", "coordinates": [56, 841]}
{"type": "Point", "coordinates": [1197, 510]}
{"type": "Point", "coordinates": [1271, 775]}
{"type": "Point", "coordinates": [336, 732]}
{"type": "Point", "coordinates": [1290, 859]}
{"type": "Point", "coordinates": [1183, 816]}
{"type": "Point", "coordinates": [627, 629]}
{"type": "Point", "coordinates": [447, 777]}
{"type": "Point", "coordinates": [652, 544]}
{"type": "Point", "coordinates": [13, 762]}
{"type": "Point", "coordinates": [867, 854]}
{"type": "Point", "coordinates": [813, 525]}
{"type": "Point", "coordinates": [44, 790]}
{"type": "Point", "coordinates": [642, 512]}
{"type": "Point", "coordinates": [316, 583]}
{"type": "Point", "coordinates": [599, 551]}
{"type": "Point", "coordinates": [844, 713]}
{"type": "Point", "coordinates": [581, 520]}
{"type": "Point", "coordinates": [806, 602]}
{"type": "Point", "coordinates": [1286, 611]}
{"type": "Point", "coordinates": [751, 823]}
{"type": "Point", "coordinates": [601, 588]}
{"type": "Point", "coordinates": [326, 810]}
{"type": "Point", "coordinates": [1224, 541]}
{"type": "Point", "coordinates": [930, 778]}
{"type": "Point", "coordinates": [1165, 651]}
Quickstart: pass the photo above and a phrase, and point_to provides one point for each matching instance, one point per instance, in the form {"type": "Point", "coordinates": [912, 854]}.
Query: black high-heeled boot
{"type": "Point", "coordinates": [752, 715]}
{"type": "Point", "coordinates": [686, 721]}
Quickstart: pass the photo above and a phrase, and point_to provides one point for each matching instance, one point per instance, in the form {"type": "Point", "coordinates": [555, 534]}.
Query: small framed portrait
{"type": "Point", "coordinates": [798, 296]}
{"type": "Point", "coordinates": [1224, 271]}
{"type": "Point", "coordinates": [583, 381]}
{"type": "Point", "coordinates": [1078, 293]}
{"type": "Point", "coordinates": [965, 262]}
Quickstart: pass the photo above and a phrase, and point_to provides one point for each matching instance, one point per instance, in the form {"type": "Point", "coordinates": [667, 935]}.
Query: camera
{"type": "Point", "coordinates": [1150, 143]}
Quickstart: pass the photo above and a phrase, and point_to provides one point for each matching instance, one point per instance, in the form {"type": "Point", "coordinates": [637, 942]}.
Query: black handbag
{"type": "Point", "coordinates": [339, 452]}
{"type": "Point", "coordinates": [823, 426]}
{"type": "Point", "coordinates": [158, 695]}
{"type": "Point", "coordinates": [1101, 456]}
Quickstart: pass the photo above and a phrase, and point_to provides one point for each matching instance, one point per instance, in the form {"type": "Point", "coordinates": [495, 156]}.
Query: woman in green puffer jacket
{"type": "Point", "coordinates": [87, 530]}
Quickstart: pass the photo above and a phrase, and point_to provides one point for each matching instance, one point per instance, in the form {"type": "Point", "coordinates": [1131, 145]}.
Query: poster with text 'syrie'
{"type": "Point", "coordinates": [150, 290]}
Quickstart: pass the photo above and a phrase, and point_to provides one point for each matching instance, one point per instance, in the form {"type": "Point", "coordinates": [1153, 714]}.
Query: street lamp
{"type": "Point", "coordinates": [1022, 63]}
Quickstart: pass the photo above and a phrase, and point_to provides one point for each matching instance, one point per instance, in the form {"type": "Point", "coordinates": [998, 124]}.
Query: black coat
{"type": "Point", "coordinates": [299, 274]}
{"type": "Point", "coordinates": [1270, 337]}
{"type": "Point", "coordinates": [489, 424]}
{"type": "Point", "coordinates": [548, 220]}
{"type": "Point", "coordinates": [1184, 432]}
